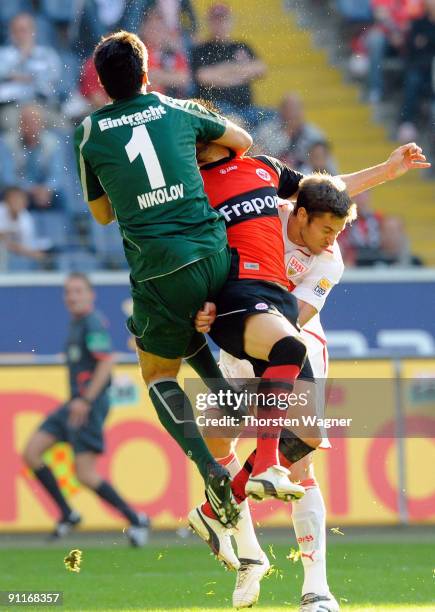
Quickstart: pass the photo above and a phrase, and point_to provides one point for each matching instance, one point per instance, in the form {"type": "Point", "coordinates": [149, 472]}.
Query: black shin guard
{"type": "Point", "coordinates": [292, 447]}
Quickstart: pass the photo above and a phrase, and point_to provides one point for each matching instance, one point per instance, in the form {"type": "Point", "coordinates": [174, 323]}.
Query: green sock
{"type": "Point", "coordinates": [176, 415]}
{"type": "Point", "coordinates": [201, 359]}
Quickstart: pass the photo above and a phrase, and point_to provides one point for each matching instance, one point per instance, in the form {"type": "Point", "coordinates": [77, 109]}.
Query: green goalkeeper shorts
{"type": "Point", "coordinates": [164, 308]}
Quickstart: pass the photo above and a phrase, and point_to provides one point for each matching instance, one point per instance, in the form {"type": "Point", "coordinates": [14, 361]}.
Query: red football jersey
{"type": "Point", "coordinates": [245, 190]}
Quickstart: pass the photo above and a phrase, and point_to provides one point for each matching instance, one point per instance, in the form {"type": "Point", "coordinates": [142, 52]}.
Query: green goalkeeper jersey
{"type": "Point", "coordinates": [141, 153]}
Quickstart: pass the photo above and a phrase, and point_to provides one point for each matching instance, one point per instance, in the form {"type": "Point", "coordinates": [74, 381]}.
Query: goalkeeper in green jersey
{"type": "Point", "coordinates": [136, 159]}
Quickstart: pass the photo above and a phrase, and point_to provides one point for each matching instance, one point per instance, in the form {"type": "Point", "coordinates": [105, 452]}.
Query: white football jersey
{"type": "Point", "coordinates": [312, 278]}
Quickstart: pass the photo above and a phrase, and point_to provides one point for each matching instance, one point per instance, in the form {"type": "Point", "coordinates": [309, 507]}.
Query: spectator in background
{"type": "Point", "coordinates": [224, 69]}
{"type": "Point", "coordinates": [179, 16]}
{"type": "Point", "coordinates": [38, 160]}
{"type": "Point", "coordinates": [420, 60]}
{"type": "Point", "coordinates": [319, 159]}
{"type": "Point", "coordinates": [288, 137]}
{"type": "Point", "coordinates": [8, 10]}
{"type": "Point", "coordinates": [110, 13]}
{"type": "Point", "coordinates": [360, 242]}
{"type": "Point", "coordinates": [387, 36]}
{"type": "Point", "coordinates": [395, 245]}
{"type": "Point", "coordinates": [168, 68]}
{"type": "Point", "coordinates": [20, 249]}
{"type": "Point", "coordinates": [375, 239]}
{"type": "Point", "coordinates": [91, 88]}
{"type": "Point", "coordinates": [28, 71]}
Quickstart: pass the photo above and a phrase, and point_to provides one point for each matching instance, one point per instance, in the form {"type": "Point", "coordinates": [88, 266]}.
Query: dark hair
{"type": "Point", "coordinates": [322, 193]}
{"type": "Point", "coordinates": [80, 276]}
{"type": "Point", "coordinates": [121, 60]}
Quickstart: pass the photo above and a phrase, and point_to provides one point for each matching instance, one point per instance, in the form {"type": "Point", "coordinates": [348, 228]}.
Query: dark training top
{"type": "Point", "coordinates": [88, 343]}
{"type": "Point", "coordinates": [211, 53]}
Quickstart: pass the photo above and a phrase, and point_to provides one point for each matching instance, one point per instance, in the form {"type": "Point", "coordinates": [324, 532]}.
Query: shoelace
{"type": "Point", "coordinates": [310, 598]}
{"type": "Point", "coordinates": [242, 574]}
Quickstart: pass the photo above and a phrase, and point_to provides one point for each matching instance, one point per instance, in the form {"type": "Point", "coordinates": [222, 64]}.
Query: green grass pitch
{"type": "Point", "coordinates": [366, 576]}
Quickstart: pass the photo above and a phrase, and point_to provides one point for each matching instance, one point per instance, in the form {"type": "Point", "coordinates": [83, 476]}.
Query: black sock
{"type": "Point", "coordinates": [201, 359]}
{"type": "Point", "coordinates": [49, 482]}
{"type": "Point", "coordinates": [176, 415]}
{"type": "Point", "coordinates": [108, 493]}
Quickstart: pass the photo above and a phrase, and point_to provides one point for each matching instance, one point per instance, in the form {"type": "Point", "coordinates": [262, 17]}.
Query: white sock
{"type": "Point", "coordinates": [309, 517]}
{"type": "Point", "coordinates": [248, 546]}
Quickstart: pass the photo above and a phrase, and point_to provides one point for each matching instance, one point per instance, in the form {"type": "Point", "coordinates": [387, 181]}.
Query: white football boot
{"type": "Point", "coordinates": [273, 482]}
{"type": "Point", "coordinates": [216, 536]}
{"type": "Point", "coordinates": [249, 575]}
{"type": "Point", "coordinates": [311, 602]}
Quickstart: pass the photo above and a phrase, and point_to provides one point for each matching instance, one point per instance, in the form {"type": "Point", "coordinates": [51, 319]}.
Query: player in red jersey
{"type": "Point", "coordinates": [245, 191]}
{"type": "Point", "coordinates": [257, 316]}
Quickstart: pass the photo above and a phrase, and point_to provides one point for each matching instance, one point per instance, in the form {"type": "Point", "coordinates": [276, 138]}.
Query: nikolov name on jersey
{"type": "Point", "coordinates": [149, 114]}
{"type": "Point", "coordinates": [235, 210]}
{"type": "Point", "coordinates": [160, 196]}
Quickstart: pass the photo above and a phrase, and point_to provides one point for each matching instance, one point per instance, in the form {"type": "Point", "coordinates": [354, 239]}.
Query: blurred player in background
{"type": "Point", "coordinates": [80, 421]}
{"type": "Point", "coordinates": [137, 163]}
{"type": "Point", "coordinates": [313, 266]}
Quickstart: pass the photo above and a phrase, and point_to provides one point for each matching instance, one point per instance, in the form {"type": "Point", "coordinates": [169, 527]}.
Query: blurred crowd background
{"type": "Point", "coordinates": [48, 83]}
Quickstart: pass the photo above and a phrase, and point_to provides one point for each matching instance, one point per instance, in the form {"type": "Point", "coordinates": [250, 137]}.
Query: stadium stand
{"type": "Point", "coordinates": [295, 62]}
{"type": "Point", "coordinates": [273, 29]}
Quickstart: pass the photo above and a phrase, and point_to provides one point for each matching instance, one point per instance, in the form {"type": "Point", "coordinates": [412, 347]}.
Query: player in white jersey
{"type": "Point", "coordinates": [312, 278]}
{"type": "Point", "coordinates": [314, 265]}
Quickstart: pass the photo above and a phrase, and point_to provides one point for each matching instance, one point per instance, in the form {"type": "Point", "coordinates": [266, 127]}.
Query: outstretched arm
{"type": "Point", "coordinates": [407, 157]}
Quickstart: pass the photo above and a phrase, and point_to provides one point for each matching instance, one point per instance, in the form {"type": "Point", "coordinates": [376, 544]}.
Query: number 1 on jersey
{"type": "Point", "coordinates": [141, 144]}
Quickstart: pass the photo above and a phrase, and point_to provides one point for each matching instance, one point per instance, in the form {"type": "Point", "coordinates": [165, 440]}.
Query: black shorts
{"type": "Point", "coordinates": [87, 438]}
{"type": "Point", "coordinates": [241, 298]}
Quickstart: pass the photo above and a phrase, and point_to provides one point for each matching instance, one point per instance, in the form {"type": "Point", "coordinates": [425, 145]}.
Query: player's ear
{"type": "Point", "coordinates": [302, 214]}
{"type": "Point", "coordinates": [145, 79]}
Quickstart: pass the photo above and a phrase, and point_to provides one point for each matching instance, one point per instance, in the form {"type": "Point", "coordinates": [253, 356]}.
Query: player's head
{"type": "Point", "coordinates": [78, 294]}
{"type": "Point", "coordinates": [323, 207]}
{"type": "Point", "coordinates": [16, 199]}
{"type": "Point", "coordinates": [22, 30]}
{"type": "Point", "coordinates": [154, 31]}
{"type": "Point", "coordinates": [207, 152]}
{"type": "Point", "coordinates": [121, 61]}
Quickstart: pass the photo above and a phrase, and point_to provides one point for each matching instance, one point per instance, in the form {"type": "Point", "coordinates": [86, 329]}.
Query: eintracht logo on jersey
{"type": "Point", "coordinates": [263, 174]}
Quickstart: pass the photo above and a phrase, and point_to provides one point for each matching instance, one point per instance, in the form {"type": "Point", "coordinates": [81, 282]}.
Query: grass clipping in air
{"type": "Point", "coordinates": [72, 560]}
